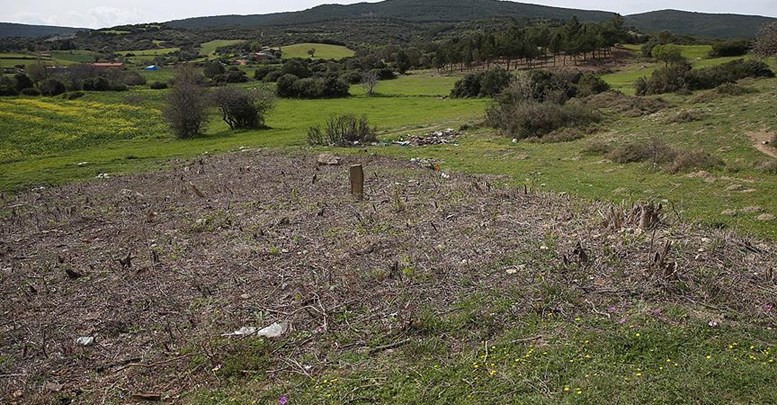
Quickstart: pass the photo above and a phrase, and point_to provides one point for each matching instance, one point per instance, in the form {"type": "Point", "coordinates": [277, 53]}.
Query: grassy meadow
{"type": "Point", "coordinates": [323, 51]}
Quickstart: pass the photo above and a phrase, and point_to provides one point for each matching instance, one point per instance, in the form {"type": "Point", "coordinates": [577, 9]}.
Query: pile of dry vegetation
{"type": "Point", "coordinates": [151, 270]}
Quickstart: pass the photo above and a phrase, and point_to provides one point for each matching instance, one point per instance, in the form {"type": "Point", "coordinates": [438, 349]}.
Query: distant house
{"type": "Point", "coordinates": [107, 65]}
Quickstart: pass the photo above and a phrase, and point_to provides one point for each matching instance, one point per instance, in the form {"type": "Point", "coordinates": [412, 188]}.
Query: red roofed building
{"type": "Point", "coordinates": [107, 65]}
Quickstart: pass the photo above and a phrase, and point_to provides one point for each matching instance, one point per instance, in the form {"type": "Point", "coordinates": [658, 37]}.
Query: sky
{"type": "Point", "coordinates": [109, 13]}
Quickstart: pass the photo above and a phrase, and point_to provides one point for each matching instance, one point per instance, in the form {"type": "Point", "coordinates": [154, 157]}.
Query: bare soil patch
{"type": "Point", "coordinates": [157, 267]}
{"type": "Point", "coordinates": [762, 140]}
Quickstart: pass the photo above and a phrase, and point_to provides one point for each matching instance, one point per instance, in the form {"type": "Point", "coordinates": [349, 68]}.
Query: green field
{"type": "Point", "coordinates": [323, 51]}
{"type": "Point", "coordinates": [209, 48]}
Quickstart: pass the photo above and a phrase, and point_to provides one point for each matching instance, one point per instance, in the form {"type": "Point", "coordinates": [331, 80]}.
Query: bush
{"type": "Point", "coordinates": [494, 81]}
{"type": "Point", "coordinates": [678, 78]}
{"type": "Point", "coordinates": [343, 130]}
{"type": "Point", "coordinates": [8, 87]}
{"type": "Point", "coordinates": [120, 87]}
{"type": "Point", "coordinates": [52, 87]}
{"type": "Point", "coordinates": [30, 91]}
{"type": "Point", "coordinates": [467, 87]}
{"type": "Point", "coordinates": [158, 85]}
{"type": "Point", "coordinates": [186, 109]}
{"type": "Point", "coordinates": [732, 89]}
{"type": "Point", "coordinates": [213, 68]}
{"type": "Point", "coordinates": [529, 118]}
{"type": "Point", "coordinates": [285, 85]}
{"type": "Point", "coordinates": [730, 48]}
{"type": "Point", "coordinates": [133, 79]}
{"type": "Point", "coordinates": [386, 74]}
{"type": "Point", "coordinates": [590, 84]}
{"type": "Point", "coordinates": [352, 77]}
{"type": "Point", "coordinates": [23, 81]}
{"type": "Point", "coordinates": [694, 160]}
{"type": "Point", "coordinates": [655, 150]}
{"type": "Point", "coordinates": [335, 88]}
{"type": "Point", "coordinates": [296, 67]}
{"type": "Point", "coordinates": [273, 76]}
{"type": "Point", "coordinates": [307, 88]}
{"type": "Point", "coordinates": [263, 70]}
{"type": "Point", "coordinates": [242, 108]}
{"type": "Point", "coordinates": [97, 84]}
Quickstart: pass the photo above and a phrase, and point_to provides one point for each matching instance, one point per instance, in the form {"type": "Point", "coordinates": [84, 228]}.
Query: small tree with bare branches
{"type": "Point", "coordinates": [766, 43]}
{"type": "Point", "coordinates": [370, 81]}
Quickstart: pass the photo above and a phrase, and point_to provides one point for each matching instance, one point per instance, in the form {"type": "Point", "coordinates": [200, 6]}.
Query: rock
{"type": "Point", "coordinates": [750, 210]}
{"type": "Point", "coordinates": [734, 187]}
{"type": "Point", "coordinates": [328, 159]}
{"type": "Point", "coordinates": [766, 217]}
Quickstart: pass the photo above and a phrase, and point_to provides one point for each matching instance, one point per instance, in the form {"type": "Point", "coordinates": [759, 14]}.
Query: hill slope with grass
{"type": "Point", "coordinates": [699, 24]}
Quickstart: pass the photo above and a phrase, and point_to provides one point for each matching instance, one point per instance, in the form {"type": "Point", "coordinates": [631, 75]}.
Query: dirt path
{"type": "Point", "coordinates": [759, 138]}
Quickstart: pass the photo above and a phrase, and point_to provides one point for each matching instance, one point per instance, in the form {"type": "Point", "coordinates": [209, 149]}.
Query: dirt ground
{"type": "Point", "coordinates": [157, 267]}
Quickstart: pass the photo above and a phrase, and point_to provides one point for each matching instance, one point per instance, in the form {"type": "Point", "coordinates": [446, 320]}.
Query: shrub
{"type": "Point", "coordinates": [343, 130]}
{"type": "Point", "coordinates": [133, 79]}
{"type": "Point", "coordinates": [670, 54]}
{"type": "Point", "coordinates": [467, 87]}
{"type": "Point", "coordinates": [23, 81]}
{"type": "Point", "coordinates": [273, 76]}
{"type": "Point", "coordinates": [732, 89]}
{"type": "Point", "coordinates": [120, 87]}
{"type": "Point", "coordinates": [590, 84]}
{"type": "Point", "coordinates": [730, 48]}
{"type": "Point", "coordinates": [213, 68]}
{"type": "Point", "coordinates": [186, 109]}
{"type": "Point", "coordinates": [97, 84]}
{"type": "Point", "coordinates": [262, 71]}
{"type": "Point", "coordinates": [560, 136]}
{"type": "Point", "coordinates": [681, 77]}
{"type": "Point", "coordinates": [335, 88]}
{"type": "Point", "coordinates": [158, 85]}
{"type": "Point", "coordinates": [52, 87]}
{"type": "Point", "coordinates": [353, 77]}
{"type": "Point", "coordinates": [694, 160]}
{"type": "Point", "coordinates": [529, 118]}
{"type": "Point", "coordinates": [655, 150]}
{"type": "Point", "coordinates": [686, 116]}
{"type": "Point", "coordinates": [242, 108]}
{"type": "Point", "coordinates": [307, 88]}
{"type": "Point", "coordinates": [598, 147]}
{"type": "Point", "coordinates": [285, 85]}
{"type": "Point", "coordinates": [296, 67]}
{"type": "Point", "coordinates": [386, 74]}
{"type": "Point", "coordinates": [8, 87]}
{"type": "Point", "coordinates": [30, 91]}
{"type": "Point", "coordinates": [494, 81]}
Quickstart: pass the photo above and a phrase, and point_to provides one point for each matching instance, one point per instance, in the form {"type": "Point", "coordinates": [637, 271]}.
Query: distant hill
{"type": "Point", "coordinates": [405, 10]}
{"type": "Point", "coordinates": [699, 24]}
{"type": "Point", "coordinates": [9, 30]}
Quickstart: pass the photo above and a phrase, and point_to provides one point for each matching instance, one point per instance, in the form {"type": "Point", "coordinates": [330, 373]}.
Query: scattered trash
{"type": "Point", "coordinates": [328, 159]}
{"type": "Point", "coordinates": [103, 176]}
{"type": "Point", "coordinates": [427, 163]}
{"type": "Point", "coordinates": [446, 137]}
{"type": "Point", "coordinates": [515, 269]}
{"type": "Point", "coordinates": [85, 341]}
{"type": "Point", "coordinates": [244, 331]}
{"type": "Point", "coordinates": [445, 175]}
{"type": "Point", "coordinates": [713, 324]}
{"type": "Point", "coordinates": [82, 164]}
{"type": "Point", "coordinates": [272, 331]}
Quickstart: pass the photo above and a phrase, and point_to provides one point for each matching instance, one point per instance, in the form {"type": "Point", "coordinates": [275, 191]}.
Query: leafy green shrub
{"type": "Point", "coordinates": [529, 118]}
{"type": "Point", "coordinates": [120, 87]}
{"type": "Point", "coordinates": [468, 87]}
{"type": "Point", "coordinates": [8, 87]}
{"type": "Point", "coordinates": [158, 85]}
{"type": "Point", "coordinates": [133, 79]}
{"type": "Point", "coordinates": [732, 89]}
{"type": "Point", "coordinates": [730, 48]}
{"type": "Point", "coordinates": [213, 68]}
{"type": "Point", "coordinates": [285, 85]}
{"type": "Point", "coordinates": [343, 130]}
{"type": "Point", "coordinates": [386, 74]}
{"type": "Point", "coordinates": [97, 84]}
{"type": "Point", "coordinates": [242, 108]}
{"type": "Point", "coordinates": [682, 78]}
{"type": "Point", "coordinates": [263, 70]}
{"type": "Point", "coordinates": [297, 68]}
{"type": "Point", "coordinates": [494, 81]}
{"type": "Point", "coordinates": [23, 81]}
{"type": "Point", "coordinates": [307, 88]}
{"type": "Point", "coordinates": [273, 76]}
{"type": "Point", "coordinates": [52, 87]}
{"type": "Point", "coordinates": [351, 77]}
{"type": "Point", "coordinates": [590, 84]}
